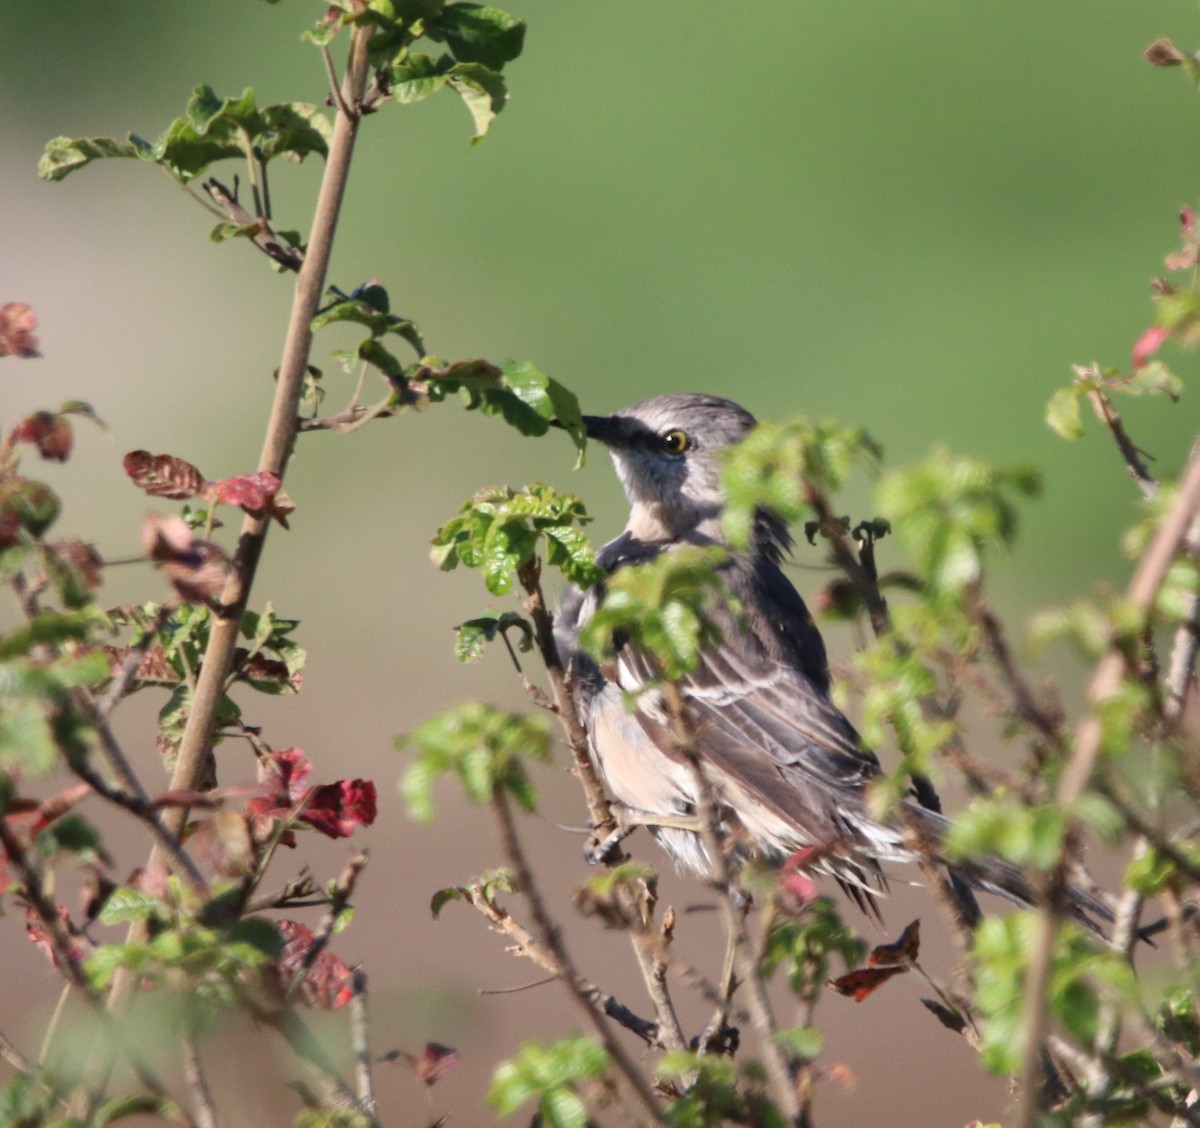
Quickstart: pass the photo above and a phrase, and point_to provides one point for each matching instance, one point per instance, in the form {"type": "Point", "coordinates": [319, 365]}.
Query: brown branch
{"type": "Point", "coordinates": [258, 229]}
{"type": "Point", "coordinates": [1148, 576]}
{"type": "Point", "coordinates": [193, 1071]}
{"type": "Point", "coordinates": [1130, 452]}
{"type": "Point", "coordinates": [598, 804]}
{"type": "Point", "coordinates": [349, 420]}
{"type": "Point", "coordinates": [645, 1107]}
{"type": "Point", "coordinates": [276, 452]}
{"type": "Point", "coordinates": [360, 1041]}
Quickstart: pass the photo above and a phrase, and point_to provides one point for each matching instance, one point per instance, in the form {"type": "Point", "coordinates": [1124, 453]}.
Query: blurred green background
{"type": "Point", "coordinates": [909, 216]}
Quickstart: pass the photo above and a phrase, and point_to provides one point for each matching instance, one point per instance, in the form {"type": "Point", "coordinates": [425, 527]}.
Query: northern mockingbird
{"type": "Point", "coordinates": [787, 769]}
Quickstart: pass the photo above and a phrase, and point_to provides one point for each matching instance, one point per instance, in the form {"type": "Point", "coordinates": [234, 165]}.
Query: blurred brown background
{"type": "Point", "coordinates": [912, 217]}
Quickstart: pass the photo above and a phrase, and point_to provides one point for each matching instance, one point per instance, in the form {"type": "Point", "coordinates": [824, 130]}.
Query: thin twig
{"type": "Point", "coordinates": [193, 1071]}
{"type": "Point", "coordinates": [645, 1107]}
{"type": "Point", "coordinates": [1110, 417]}
{"type": "Point", "coordinates": [339, 898]}
{"type": "Point", "coordinates": [360, 1040]}
{"type": "Point", "coordinates": [14, 1057]}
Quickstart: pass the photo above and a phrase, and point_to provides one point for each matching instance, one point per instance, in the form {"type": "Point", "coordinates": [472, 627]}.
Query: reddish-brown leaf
{"type": "Point", "coordinates": [162, 475]}
{"type": "Point", "coordinates": [900, 951]}
{"type": "Point", "coordinates": [17, 323]}
{"type": "Point", "coordinates": [859, 984]}
{"type": "Point", "coordinates": [250, 492]}
{"type": "Point", "coordinates": [337, 808]}
{"type": "Point", "coordinates": [327, 984]}
{"type": "Point", "coordinates": [435, 1061]}
{"type": "Point", "coordinates": [49, 432]}
{"type": "Point", "coordinates": [58, 805]}
{"type": "Point", "coordinates": [286, 773]}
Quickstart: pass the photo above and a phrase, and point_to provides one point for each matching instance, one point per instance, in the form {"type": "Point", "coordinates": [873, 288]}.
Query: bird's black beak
{"type": "Point", "coordinates": [602, 428]}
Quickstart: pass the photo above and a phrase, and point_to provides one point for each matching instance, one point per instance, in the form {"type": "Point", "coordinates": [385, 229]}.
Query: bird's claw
{"type": "Point", "coordinates": [607, 850]}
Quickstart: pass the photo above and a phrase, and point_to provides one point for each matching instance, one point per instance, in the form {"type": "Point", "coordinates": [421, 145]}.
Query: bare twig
{"type": "Point", "coordinates": [342, 891]}
{"type": "Point", "coordinates": [193, 1071]}
{"type": "Point", "coordinates": [258, 228]}
{"type": "Point", "coordinates": [360, 1040]}
{"type": "Point", "coordinates": [644, 1106]}
{"type": "Point", "coordinates": [14, 1057]}
{"type": "Point", "coordinates": [1110, 417]}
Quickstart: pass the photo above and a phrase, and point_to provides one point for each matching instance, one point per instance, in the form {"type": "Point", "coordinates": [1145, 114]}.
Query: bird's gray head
{"type": "Point", "coordinates": [665, 451]}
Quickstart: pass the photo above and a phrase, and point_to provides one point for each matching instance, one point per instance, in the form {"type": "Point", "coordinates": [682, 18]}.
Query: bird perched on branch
{"type": "Point", "coordinates": [787, 770]}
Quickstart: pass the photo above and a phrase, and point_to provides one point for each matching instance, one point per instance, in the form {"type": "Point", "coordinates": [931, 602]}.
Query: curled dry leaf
{"type": "Point", "coordinates": [327, 984]}
{"type": "Point", "coordinates": [163, 475]}
{"type": "Point", "coordinates": [435, 1061]}
{"type": "Point", "coordinates": [196, 569]}
{"type": "Point", "coordinates": [857, 985]}
{"type": "Point", "coordinates": [901, 951]}
{"type": "Point", "coordinates": [250, 492]}
{"type": "Point", "coordinates": [49, 432]}
{"type": "Point", "coordinates": [17, 323]}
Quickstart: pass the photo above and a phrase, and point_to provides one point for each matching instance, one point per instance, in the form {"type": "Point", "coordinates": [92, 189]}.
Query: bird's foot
{"type": "Point", "coordinates": [607, 850]}
{"type": "Point", "coordinates": [713, 1039]}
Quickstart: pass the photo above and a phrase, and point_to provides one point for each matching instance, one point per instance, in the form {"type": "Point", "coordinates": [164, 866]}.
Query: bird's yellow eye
{"type": "Point", "coordinates": [675, 442]}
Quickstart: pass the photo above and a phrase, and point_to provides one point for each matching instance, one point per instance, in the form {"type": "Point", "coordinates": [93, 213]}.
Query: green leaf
{"type": "Point", "coordinates": [662, 607]}
{"type": "Point", "coordinates": [126, 903]}
{"type": "Point", "coordinates": [477, 33]}
{"type": "Point", "coordinates": [802, 1042]}
{"type": "Point", "coordinates": [419, 77]}
{"type": "Point", "coordinates": [483, 93]}
{"type": "Point", "coordinates": [64, 155]}
{"type": "Point", "coordinates": [260, 934]}
{"type": "Point", "coordinates": [473, 635]}
{"type": "Point", "coordinates": [444, 896]}
{"type": "Point", "coordinates": [539, 1071]}
{"type": "Point", "coordinates": [483, 746]}
{"type": "Point", "coordinates": [1062, 413]}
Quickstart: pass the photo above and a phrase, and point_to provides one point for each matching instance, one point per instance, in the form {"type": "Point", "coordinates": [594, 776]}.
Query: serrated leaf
{"type": "Point", "coordinates": [126, 903]}
{"type": "Point", "coordinates": [483, 92]}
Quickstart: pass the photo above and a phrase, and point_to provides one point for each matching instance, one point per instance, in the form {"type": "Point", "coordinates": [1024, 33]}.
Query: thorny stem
{"type": "Point", "coordinates": [646, 1106]}
{"type": "Point", "coordinates": [1106, 682]}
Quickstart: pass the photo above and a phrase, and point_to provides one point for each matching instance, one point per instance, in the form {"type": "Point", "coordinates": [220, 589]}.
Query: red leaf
{"type": "Point", "coordinates": [1148, 344]}
{"type": "Point", "coordinates": [1187, 220]}
{"type": "Point", "coordinates": [902, 951]}
{"type": "Point", "coordinates": [162, 475]}
{"type": "Point", "coordinates": [435, 1062]}
{"type": "Point", "coordinates": [286, 772]}
{"type": "Point", "coordinates": [327, 984]}
{"type": "Point", "coordinates": [859, 984]}
{"type": "Point", "coordinates": [250, 492]}
{"type": "Point", "coordinates": [17, 323]}
{"type": "Point", "coordinates": [794, 882]}
{"type": "Point", "coordinates": [50, 433]}
{"type": "Point", "coordinates": [337, 808]}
